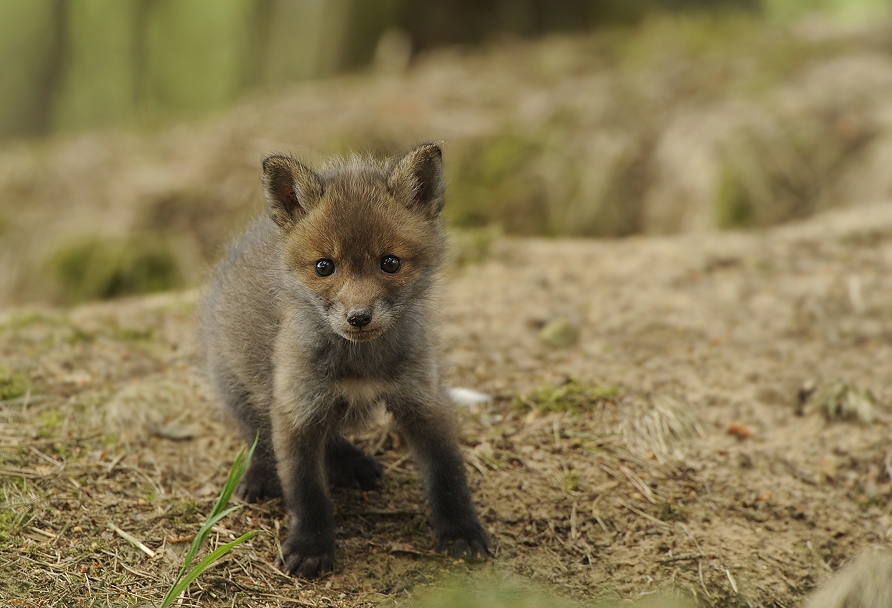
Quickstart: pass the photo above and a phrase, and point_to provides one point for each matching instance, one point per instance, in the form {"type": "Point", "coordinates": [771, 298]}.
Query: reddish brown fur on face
{"type": "Point", "coordinates": [355, 223]}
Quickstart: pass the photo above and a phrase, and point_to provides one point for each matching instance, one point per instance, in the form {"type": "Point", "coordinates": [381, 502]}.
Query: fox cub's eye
{"type": "Point", "coordinates": [390, 263]}
{"type": "Point", "coordinates": [324, 267]}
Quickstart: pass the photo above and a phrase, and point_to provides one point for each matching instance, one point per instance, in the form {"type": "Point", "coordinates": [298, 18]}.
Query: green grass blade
{"type": "Point", "coordinates": [202, 535]}
{"type": "Point", "coordinates": [203, 565]}
{"type": "Point", "coordinates": [236, 472]}
{"type": "Point", "coordinates": [235, 475]}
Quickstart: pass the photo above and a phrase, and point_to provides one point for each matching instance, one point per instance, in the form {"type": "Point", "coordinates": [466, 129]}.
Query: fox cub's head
{"type": "Point", "coordinates": [364, 237]}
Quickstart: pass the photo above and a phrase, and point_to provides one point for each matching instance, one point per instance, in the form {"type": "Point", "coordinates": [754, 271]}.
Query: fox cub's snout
{"type": "Point", "coordinates": [363, 242]}
{"type": "Point", "coordinates": [360, 310]}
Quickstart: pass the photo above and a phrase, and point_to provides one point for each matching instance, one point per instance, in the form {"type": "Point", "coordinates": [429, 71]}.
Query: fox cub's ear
{"type": "Point", "coordinates": [417, 179]}
{"type": "Point", "coordinates": [291, 189]}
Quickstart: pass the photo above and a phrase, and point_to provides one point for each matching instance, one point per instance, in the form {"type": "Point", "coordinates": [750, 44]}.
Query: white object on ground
{"type": "Point", "coordinates": [467, 397]}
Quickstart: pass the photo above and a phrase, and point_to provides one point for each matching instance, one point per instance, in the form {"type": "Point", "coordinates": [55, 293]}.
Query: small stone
{"type": "Point", "coordinates": [175, 433]}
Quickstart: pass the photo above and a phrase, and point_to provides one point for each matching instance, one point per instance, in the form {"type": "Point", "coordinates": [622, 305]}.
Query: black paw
{"type": "Point", "coordinates": [347, 465]}
{"type": "Point", "coordinates": [308, 558]}
{"type": "Point", "coordinates": [261, 482]}
{"type": "Point", "coordinates": [466, 541]}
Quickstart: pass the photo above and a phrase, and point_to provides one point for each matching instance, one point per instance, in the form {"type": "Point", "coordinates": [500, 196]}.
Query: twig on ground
{"type": "Point", "coordinates": [131, 539]}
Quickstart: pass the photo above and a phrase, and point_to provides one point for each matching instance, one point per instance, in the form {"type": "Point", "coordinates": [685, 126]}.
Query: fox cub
{"type": "Point", "coordinates": [321, 311]}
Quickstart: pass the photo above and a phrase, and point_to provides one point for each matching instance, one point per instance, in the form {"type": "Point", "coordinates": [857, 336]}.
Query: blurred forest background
{"type": "Point", "coordinates": [97, 63]}
{"type": "Point", "coordinates": [133, 129]}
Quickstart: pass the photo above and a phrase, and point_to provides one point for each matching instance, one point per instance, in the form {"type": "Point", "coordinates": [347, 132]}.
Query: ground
{"type": "Point", "coordinates": [719, 429]}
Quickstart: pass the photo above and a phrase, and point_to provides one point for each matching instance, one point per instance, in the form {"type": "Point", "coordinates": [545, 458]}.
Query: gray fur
{"type": "Point", "coordinates": [287, 364]}
{"type": "Point", "coordinates": [864, 583]}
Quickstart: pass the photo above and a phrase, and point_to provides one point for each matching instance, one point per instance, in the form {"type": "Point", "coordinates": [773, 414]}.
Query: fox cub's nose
{"type": "Point", "coordinates": [359, 317]}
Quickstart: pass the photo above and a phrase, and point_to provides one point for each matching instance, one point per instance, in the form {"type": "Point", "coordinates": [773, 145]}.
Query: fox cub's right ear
{"type": "Point", "coordinates": [417, 179]}
{"type": "Point", "coordinates": [291, 189]}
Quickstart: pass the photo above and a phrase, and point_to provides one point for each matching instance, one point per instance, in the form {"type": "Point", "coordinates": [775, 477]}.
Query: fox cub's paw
{"type": "Point", "coordinates": [466, 540]}
{"type": "Point", "coordinates": [259, 483]}
{"type": "Point", "coordinates": [307, 557]}
{"type": "Point", "coordinates": [348, 465]}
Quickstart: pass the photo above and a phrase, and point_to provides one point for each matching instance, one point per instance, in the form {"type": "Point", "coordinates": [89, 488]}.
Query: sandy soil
{"type": "Point", "coordinates": [714, 467]}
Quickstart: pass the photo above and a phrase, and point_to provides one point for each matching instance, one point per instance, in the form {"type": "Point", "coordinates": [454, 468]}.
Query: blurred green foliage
{"type": "Point", "coordinates": [497, 180]}
{"type": "Point", "coordinates": [112, 61]}
{"type": "Point", "coordinates": [12, 384]}
{"type": "Point", "coordinates": [493, 592]}
{"type": "Point", "coordinates": [458, 596]}
{"type": "Point", "coordinates": [98, 268]}
{"type": "Point", "coordinates": [803, 157]}
{"type": "Point", "coordinates": [790, 8]}
{"type": "Point", "coordinates": [72, 65]}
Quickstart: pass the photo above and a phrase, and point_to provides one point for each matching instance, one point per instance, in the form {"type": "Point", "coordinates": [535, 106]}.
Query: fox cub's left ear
{"type": "Point", "coordinates": [417, 179]}
{"type": "Point", "coordinates": [291, 189]}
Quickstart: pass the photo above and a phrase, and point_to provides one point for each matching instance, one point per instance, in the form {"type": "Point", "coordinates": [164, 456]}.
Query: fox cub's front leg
{"type": "Point", "coordinates": [308, 549]}
{"type": "Point", "coordinates": [431, 434]}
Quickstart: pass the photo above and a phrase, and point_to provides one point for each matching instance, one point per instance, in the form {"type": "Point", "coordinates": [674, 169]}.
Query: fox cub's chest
{"type": "Point", "coordinates": [361, 400]}
{"type": "Point", "coordinates": [361, 391]}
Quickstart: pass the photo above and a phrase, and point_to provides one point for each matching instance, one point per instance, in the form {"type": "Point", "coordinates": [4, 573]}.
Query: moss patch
{"type": "Point", "coordinates": [12, 384]}
{"type": "Point", "coordinates": [184, 512]}
{"type": "Point", "coordinates": [48, 422]}
{"type": "Point", "coordinates": [844, 401]}
{"type": "Point", "coordinates": [574, 397]}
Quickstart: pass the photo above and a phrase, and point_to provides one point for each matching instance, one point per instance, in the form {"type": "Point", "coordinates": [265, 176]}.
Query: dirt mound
{"type": "Point", "coordinates": [677, 125]}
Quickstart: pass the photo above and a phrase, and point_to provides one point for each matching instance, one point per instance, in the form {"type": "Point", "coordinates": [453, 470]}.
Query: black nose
{"type": "Point", "coordinates": [359, 317]}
